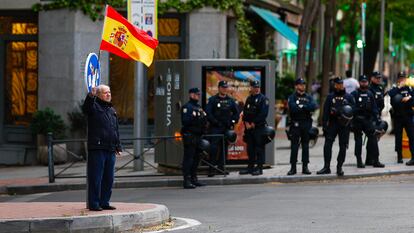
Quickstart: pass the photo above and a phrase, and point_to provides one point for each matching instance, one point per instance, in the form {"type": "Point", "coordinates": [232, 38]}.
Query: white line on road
{"type": "Point", "coordinates": [189, 223]}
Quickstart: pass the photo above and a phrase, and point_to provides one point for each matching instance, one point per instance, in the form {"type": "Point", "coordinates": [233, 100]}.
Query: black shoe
{"type": "Point", "coordinates": [324, 170]}
{"type": "Point", "coordinates": [410, 162]}
{"type": "Point", "coordinates": [378, 164]}
{"type": "Point", "coordinates": [95, 209]}
{"type": "Point", "coordinates": [187, 184]}
{"type": "Point", "coordinates": [195, 182]}
{"type": "Point", "coordinates": [339, 171]}
{"type": "Point", "coordinates": [360, 164]}
{"type": "Point", "coordinates": [108, 207]}
{"type": "Point", "coordinates": [305, 169]}
{"type": "Point", "coordinates": [292, 170]}
{"type": "Point", "coordinates": [399, 158]}
{"type": "Point", "coordinates": [257, 172]}
{"type": "Point", "coordinates": [246, 171]}
{"type": "Point", "coordinates": [369, 162]}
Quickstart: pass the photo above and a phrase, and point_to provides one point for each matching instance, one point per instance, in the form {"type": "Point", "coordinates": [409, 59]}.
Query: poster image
{"type": "Point", "coordinates": [239, 89]}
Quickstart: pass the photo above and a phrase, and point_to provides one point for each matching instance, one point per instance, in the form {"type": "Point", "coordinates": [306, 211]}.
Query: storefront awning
{"type": "Point", "coordinates": [273, 20]}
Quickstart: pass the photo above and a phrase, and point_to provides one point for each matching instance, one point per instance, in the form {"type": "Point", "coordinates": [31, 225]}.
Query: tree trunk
{"type": "Point", "coordinates": [352, 36]}
{"type": "Point", "coordinates": [309, 15]}
{"type": "Point", "coordinates": [327, 43]}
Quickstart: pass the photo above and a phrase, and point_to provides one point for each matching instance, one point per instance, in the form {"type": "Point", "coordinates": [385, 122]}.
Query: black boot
{"type": "Point", "coordinates": [258, 171]}
{"type": "Point", "coordinates": [339, 171]}
{"type": "Point", "coordinates": [378, 164]}
{"type": "Point", "coordinates": [410, 162]}
{"type": "Point", "coordinates": [399, 158]}
{"type": "Point", "coordinates": [187, 183]}
{"type": "Point", "coordinates": [246, 171]}
{"type": "Point", "coordinates": [360, 164]}
{"type": "Point", "coordinates": [195, 182]}
{"type": "Point", "coordinates": [292, 170]}
{"type": "Point", "coordinates": [305, 169]}
{"type": "Point", "coordinates": [324, 170]}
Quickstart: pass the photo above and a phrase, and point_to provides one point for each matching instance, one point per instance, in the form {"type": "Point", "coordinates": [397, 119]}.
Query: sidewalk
{"type": "Point", "coordinates": [34, 179]}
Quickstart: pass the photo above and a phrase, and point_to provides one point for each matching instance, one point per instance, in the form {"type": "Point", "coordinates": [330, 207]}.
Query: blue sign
{"type": "Point", "coordinates": [92, 72]}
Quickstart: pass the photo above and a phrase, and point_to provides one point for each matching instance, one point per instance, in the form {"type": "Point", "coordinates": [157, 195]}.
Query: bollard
{"type": "Point", "coordinates": [51, 164]}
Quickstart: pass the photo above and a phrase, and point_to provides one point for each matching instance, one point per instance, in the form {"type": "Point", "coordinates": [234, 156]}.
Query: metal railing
{"type": "Point", "coordinates": [127, 144]}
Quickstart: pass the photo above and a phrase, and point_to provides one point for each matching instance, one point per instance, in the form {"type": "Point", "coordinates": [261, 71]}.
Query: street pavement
{"type": "Point", "coordinates": [361, 205]}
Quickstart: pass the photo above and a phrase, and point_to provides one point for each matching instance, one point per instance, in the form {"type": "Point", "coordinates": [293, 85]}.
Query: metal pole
{"type": "Point", "coordinates": [139, 110]}
{"type": "Point", "coordinates": [51, 164]}
{"type": "Point", "coordinates": [381, 46]}
{"type": "Point", "coordinates": [391, 49]}
{"type": "Point", "coordinates": [363, 36]}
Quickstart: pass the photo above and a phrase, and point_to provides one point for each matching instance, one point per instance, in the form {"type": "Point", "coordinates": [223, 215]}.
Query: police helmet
{"type": "Point", "coordinates": [230, 136]}
{"type": "Point", "coordinates": [204, 145]}
{"type": "Point", "coordinates": [380, 129]}
{"type": "Point", "coordinates": [396, 100]}
{"type": "Point", "coordinates": [268, 134]}
{"type": "Point", "coordinates": [313, 133]}
{"type": "Point", "coordinates": [346, 115]}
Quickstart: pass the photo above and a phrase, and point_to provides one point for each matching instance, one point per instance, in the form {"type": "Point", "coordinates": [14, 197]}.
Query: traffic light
{"type": "Point", "coordinates": [360, 44]}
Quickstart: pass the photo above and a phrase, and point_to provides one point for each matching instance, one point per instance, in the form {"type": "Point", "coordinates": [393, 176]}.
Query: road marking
{"type": "Point", "coordinates": [189, 223]}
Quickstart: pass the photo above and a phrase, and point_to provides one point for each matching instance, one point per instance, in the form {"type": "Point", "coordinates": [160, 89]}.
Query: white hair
{"type": "Point", "coordinates": [101, 87]}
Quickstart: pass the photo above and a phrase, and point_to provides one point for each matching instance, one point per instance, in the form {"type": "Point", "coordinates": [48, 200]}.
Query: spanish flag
{"type": "Point", "coordinates": [123, 39]}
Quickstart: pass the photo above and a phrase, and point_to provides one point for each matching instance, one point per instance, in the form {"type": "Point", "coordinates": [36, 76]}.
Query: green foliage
{"type": "Point", "coordinates": [92, 8]}
{"type": "Point", "coordinates": [285, 86]}
{"type": "Point", "coordinates": [78, 120]}
{"type": "Point", "coordinates": [47, 120]}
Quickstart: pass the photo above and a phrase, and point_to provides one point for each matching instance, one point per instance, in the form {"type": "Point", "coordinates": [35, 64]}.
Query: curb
{"type": "Point", "coordinates": [119, 222]}
{"type": "Point", "coordinates": [177, 182]}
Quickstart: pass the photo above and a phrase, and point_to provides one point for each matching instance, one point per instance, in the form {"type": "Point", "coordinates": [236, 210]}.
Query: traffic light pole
{"type": "Point", "coordinates": [363, 6]}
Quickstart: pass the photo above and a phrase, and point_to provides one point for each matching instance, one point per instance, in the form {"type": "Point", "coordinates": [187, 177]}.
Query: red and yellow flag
{"type": "Point", "coordinates": [123, 39]}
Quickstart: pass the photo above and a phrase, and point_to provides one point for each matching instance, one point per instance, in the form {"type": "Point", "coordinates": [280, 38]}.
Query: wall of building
{"type": "Point", "coordinates": [207, 34]}
{"type": "Point", "coordinates": [65, 39]}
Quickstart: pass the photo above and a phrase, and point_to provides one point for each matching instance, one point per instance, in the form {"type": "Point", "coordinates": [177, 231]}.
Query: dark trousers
{"type": "Point", "coordinates": [299, 132]}
{"type": "Point", "coordinates": [191, 157]}
{"type": "Point", "coordinates": [216, 143]}
{"type": "Point", "coordinates": [408, 124]}
{"type": "Point", "coordinates": [365, 126]}
{"type": "Point", "coordinates": [255, 146]}
{"type": "Point", "coordinates": [101, 168]}
{"type": "Point", "coordinates": [330, 133]}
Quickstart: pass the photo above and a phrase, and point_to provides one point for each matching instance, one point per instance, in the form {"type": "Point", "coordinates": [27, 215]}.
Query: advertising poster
{"type": "Point", "coordinates": [239, 89]}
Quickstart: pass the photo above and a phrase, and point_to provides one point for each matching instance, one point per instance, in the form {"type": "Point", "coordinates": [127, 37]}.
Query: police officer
{"type": "Point", "coordinates": [377, 90]}
{"type": "Point", "coordinates": [255, 112]}
{"type": "Point", "coordinates": [402, 102]}
{"type": "Point", "coordinates": [337, 113]}
{"type": "Point", "coordinates": [365, 116]}
{"type": "Point", "coordinates": [222, 114]}
{"type": "Point", "coordinates": [301, 105]}
{"type": "Point", "coordinates": [194, 123]}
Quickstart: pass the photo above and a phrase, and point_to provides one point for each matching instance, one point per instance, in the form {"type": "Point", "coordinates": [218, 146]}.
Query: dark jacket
{"type": "Point", "coordinates": [222, 112]}
{"type": "Point", "coordinates": [301, 106]}
{"type": "Point", "coordinates": [256, 109]}
{"type": "Point", "coordinates": [102, 125]}
{"type": "Point", "coordinates": [193, 118]}
{"type": "Point", "coordinates": [332, 106]}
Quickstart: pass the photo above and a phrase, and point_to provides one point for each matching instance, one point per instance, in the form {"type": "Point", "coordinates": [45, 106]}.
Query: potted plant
{"type": "Point", "coordinates": [43, 122]}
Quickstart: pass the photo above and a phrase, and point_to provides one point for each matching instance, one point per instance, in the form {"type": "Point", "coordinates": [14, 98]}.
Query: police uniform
{"type": "Point", "coordinates": [336, 122]}
{"type": "Point", "coordinates": [255, 111]}
{"type": "Point", "coordinates": [194, 124]}
{"type": "Point", "coordinates": [365, 116]}
{"type": "Point", "coordinates": [378, 92]}
{"type": "Point", "coordinates": [301, 107]}
{"type": "Point", "coordinates": [403, 117]}
{"type": "Point", "coordinates": [222, 114]}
